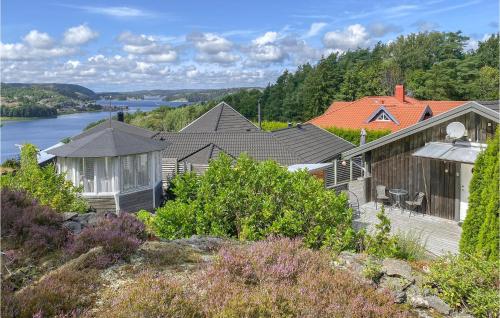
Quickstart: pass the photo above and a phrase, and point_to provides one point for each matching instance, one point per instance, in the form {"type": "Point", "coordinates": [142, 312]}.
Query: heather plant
{"type": "Point", "coordinates": [467, 282]}
{"type": "Point", "coordinates": [278, 277]}
{"type": "Point", "coordinates": [26, 225]}
{"type": "Point", "coordinates": [252, 200]}
{"type": "Point", "coordinates": [119, 236]}
{"type": "Point", "coordinates": [44, 184]}
{"type": "Point", "coordinates": [65, 293]}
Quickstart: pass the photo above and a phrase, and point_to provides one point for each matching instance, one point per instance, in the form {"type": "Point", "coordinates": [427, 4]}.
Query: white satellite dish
{"type": "Point", "coordinates": [455, 130]}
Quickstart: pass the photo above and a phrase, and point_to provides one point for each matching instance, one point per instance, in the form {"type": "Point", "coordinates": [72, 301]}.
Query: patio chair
{"type": "Point", "coordinates": [381, 195]}
{"type": "Point", "coordinates": [416, 204]}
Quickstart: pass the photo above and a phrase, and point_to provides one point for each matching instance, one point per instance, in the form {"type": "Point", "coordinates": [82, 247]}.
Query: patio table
{"type": "Point", "coordinates": [398, 195]}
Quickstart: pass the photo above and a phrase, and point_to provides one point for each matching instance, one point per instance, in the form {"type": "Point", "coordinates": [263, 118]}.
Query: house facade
{"type": "Point", "coordinates": [391, 113]}
{"type": "Point", "coordinates": [116, 164]}
{"type": "Point", "coordinates": [427, 158]}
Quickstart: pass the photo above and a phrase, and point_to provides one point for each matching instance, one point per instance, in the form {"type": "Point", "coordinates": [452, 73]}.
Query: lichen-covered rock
{"type": "Point", "coordinates": [68, 215]}
{"type": "Point", "coordinates": [438, 304]}
{"type": "Point", "coordinates": [201, 243]}
{"type": "Point", "coordinates": [398, 268]}
{"type": "Point", "coordinates": [397, 286]}
{"type": "Point", "coordinates": [73, 226]}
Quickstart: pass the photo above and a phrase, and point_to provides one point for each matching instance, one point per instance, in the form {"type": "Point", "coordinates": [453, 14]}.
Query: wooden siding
{"type": "Point", "coordinates": [135, 201]}
{"type": "Point", "coordinates": [393, 166]}
{"type": "Point", "coordinates": [102, 203]}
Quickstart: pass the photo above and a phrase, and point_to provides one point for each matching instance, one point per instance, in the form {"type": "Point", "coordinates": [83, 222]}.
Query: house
{"type": "Point", "coordinates": [382, 112]}
{"type": "Point", "coordinates": [223, 130]}
{"type": "Point", "coordinates": [118, 166]}
{"type": "Point", "coordinates": [433, 156]}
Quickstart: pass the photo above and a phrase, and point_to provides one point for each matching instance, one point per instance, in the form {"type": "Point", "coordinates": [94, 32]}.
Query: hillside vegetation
{"type": "Point", "coordinates": [45, 100]}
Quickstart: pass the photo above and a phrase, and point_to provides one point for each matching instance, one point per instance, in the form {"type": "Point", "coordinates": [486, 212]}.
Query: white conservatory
{"type": "Point", "coordinates": [118, 167]}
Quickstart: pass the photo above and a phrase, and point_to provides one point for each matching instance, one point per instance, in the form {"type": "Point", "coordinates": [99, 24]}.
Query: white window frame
{"type": "Point", "coordinates": [383, 117]}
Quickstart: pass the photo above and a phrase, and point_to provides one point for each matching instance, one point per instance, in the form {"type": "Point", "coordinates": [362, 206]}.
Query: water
{"type": "Point", "coordinates": [46, 132]}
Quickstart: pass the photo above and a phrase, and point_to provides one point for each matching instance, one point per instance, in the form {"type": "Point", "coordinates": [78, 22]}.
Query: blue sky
{"type": "Point", "coordinates": [129, 45]}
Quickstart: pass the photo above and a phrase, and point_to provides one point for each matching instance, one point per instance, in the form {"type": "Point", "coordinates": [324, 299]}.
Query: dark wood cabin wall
{"type": "Point", "coordinates": [135, 201]}
{"type": "Point", "coordinates": [102, 204]}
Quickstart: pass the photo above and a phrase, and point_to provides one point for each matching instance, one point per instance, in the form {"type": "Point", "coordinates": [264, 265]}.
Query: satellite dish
{"type": "Point", "coordinates": [455, 130]}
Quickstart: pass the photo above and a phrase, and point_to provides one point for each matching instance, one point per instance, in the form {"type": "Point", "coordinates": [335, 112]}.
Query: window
{"type": "Point", "coordinates": [383, 117]}
{"type": "Point", "coordinates": [104, 180]}
{"type": "Point", "coordinates": [128, 177]}
{"type": "Point", "coordinates": [89, 175]}
{"type": "Point", "coordinates": [135, 171]}
{"type": "Point", "coordinates": [142, 170]}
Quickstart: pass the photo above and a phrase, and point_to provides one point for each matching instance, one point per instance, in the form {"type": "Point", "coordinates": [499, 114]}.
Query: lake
{"type": "Point", "coordinates": [45, 132]}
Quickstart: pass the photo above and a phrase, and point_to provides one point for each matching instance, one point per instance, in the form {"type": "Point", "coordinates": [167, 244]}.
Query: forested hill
{"type": "Point", "coordinates": [433, 65]}
{"type": "Point", "coordinates": [68, 90]}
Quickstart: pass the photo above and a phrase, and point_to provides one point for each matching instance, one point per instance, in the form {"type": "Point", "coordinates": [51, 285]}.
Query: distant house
{"type": "Point", "coordinates": [118, 166]}
{"type": "Point", "coordinates": [429, 157]}
{"type": "Point", "coordinates": [223, 130]}
{"type": "Point", "coordinates": [382, 112]}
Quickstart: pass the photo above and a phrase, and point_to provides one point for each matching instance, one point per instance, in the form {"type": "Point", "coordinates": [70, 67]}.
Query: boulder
{"type": "Point", "coordinates": [397, 286]}
{"type": "Point", "coordinates": [438, 304]}
{"type": "Point", "coordinates": [397, 268]}
{"type": "Point", "coordinates": [351, 261]}
{"type": "Point", "coordinates": [68, 215]}
{"type": "Point", "coordinates": [73, 226]}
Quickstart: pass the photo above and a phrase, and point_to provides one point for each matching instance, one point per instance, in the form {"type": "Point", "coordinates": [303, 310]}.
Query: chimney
{"type": "Point", "coordinates": [120, 116]}
{"type": "Point", "coordinates": [399, 93]}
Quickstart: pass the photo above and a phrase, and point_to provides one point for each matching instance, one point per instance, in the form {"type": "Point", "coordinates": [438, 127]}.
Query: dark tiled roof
{"type": "Point", "coordinates": [311, 143]}
{"type": "Point", "coordinates": [491, 104]}
{"type": "Point", "coordinates": [107, 142]}
{"type": "Point", "coordinates": [204, 155]}
{"type": "Point", "coordinates": [131, 129]}
{"type": "Point", "coordinates": [258, 145]}
{"type": "Point", "coordinates": [221, 118]}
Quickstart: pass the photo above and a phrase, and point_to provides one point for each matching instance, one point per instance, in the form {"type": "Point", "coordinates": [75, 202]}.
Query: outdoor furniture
{"type": "Point", "coordinates": [381, 195]}
{"type": "Point", "coordinates": [416, 204]}
{"type": "Point", "coordinates": [398, 195]}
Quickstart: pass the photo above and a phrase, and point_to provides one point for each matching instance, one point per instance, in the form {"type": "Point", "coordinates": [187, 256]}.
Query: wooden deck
{"type": "Point", "coordinates": [440, 236]}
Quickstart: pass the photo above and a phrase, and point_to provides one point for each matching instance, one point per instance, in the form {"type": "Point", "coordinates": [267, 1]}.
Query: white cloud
{"type": "Point", "coordinates": [380, 29]}
{"type": "Point", "coordinates": [210, 43]}
{"type": "Point", "coordinates": [267, 38]}
{"type": "Point", "coordinates": [39, 40]}
{"type": "Point", "coordinates": [151, 47]}
{"type": "Point", "coordinates": [315, 28]}
{"type": "Point", "coordinates": [20, 52]}
{"type": "Point", "coordinates": [353, 37]}
{"type": "Point", "coordinates": [119, 12]}
{"type": "Point", "coordinates": [79, 35]}
{"type": "Point", "coordinates": [220, 58]}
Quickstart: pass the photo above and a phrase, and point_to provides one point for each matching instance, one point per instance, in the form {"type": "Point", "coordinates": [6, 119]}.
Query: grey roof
{"type": "Point", "coordinates": [433, 121]}
{"type": "Point", "coordinates": [131, 129]}
{"type": "Point", "coordinates": [205, 154]}
{"type": "Point", "coordinates": [459, 151]}
{"type": "Point", "coordinates": [221, 118]}
{"type": "Point", "coordinates": [311, 143]}
{"type": "Point", "coordinates": [107, 142]}
{"type": "Point", "coordinates": [258, 145]}
{"type": "Point", "coordinates": [491, 104]}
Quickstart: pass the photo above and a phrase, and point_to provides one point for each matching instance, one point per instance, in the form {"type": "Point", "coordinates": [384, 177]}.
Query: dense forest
{"type": "Point", "coordinates": [431, 65]}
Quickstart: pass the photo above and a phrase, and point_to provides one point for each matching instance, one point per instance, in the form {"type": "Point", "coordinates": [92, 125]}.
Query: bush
{"type": "Point", "coordinates": [119, 236]}
{"type": "Point", "coordinates": [29, 226]}
{"type": "Point", "coordinates": [44, 184]}
{"type": "Point", "coordinates": [251, 200]}
{"type": "Point", "coordinates": [381, 244]}
{"type": "Point", "coordinates": [409, 246]}
{"type": "Point", "coordinates": [272, 278]}
{"type": "Point", "coordinates": [467, 282]}
{"type": "Point", "coordinates": [354, 135]}
{"type": "Point", "coordinates": [65, 292]}
{"type": "Point", "coordinates": [481, 233]}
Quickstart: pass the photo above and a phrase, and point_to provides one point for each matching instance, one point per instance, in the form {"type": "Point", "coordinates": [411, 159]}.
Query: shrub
{"type": "Point", "coordinates": [65, 292]}
{"type": "Point", "coordinates": [251, 200]}
{"type": "Point", "coordinates": [381, 244]}
{"type": "Point", "coordinates": [44, 184]}
{"type": "Point", "coordinates": [467, 282]}
{"type": "Point", "coordinates": [481, 234]}
{"type": "Point", "coordinates": [409, 246]}
{"type": "Point", "coordinates": [354, 135]}
{"type": "Point", "coordinates": [119, 236]}
{"type": "Point", "coordinates": [272, 278]}
{"type": "Point", "coordinates": [26, 225]}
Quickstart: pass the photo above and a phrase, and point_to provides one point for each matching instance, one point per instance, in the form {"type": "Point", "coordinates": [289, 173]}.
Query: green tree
{"type": "Point", "coordinates": [480, 231]}
{"type": "Point", "coordinates": [44, 184]}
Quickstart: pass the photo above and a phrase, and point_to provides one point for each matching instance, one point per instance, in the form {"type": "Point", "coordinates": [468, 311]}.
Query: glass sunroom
{"type": "Point", "coordinates": [118, 170]}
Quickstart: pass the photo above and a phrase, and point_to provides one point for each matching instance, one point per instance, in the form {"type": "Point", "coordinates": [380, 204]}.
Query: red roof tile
{"type": "Point", "coordinates": [355, 114]}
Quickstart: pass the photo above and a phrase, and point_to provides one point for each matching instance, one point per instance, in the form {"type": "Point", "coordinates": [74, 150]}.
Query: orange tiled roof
{"type": "Point", "coordinates": [355, 115]}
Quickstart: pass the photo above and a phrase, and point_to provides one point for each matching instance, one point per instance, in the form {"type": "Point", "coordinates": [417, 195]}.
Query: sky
{"type": "Point", "coordinates": [170, 44]}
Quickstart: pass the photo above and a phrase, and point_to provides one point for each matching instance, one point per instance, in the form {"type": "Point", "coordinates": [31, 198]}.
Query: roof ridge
{"type": "Point", "coordinates": [220, 115]}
